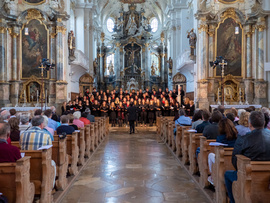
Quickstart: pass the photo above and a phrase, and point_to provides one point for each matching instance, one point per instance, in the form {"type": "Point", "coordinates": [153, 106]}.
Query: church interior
{"type": "Point", "coordinates": [167, 58]}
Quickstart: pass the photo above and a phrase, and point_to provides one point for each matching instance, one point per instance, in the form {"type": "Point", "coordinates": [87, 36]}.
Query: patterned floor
{"type": "Point", "coordinates": [134, 168]}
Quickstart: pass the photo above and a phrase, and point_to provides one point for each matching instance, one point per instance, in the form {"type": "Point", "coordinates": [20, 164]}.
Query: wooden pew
{"type": "Point", "coordinates": [16, 144]}
{"type": "Point", "coordinates": [223, 162]}
{"type": "Point", "coordinates": [15, 181]}
{"type": "Point", "coordinates": [73, 153]}
{"type": "Point", "coordinates": [171, 135]}
{"type": "Point", "coordinates": [178, 140]}
{"type": "Point", "coordinates": [252, 183]}
{"type": "Point", "coordinates": [96, 133]}
{"type": "Point", "coordinates": [107, 126]}
{"type": "Point", "coordinates": [205, 149]}
{"type": "Point", "coordinates": [81, 146]}
{"type": "Point", "coordinates": [87, 138]}
{"type": "Point", "coordinates": [99, 131]}
{"type": "Point", "coordinates": [41, 173]}
{"type": "Point", "coordinates": [93, 137]}
{"type": "Point", "coordinates": [158, 123]}
{"type": "Point", "coordinates": [185, 144]}
{"type": "Point", "coordinates": [194, 143]}
{"type": "Point", "coordinates": [60, 157]}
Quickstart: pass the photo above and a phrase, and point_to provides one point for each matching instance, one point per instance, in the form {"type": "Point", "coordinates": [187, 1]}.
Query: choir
{"type": "Point", "coordinates": [114, 104]}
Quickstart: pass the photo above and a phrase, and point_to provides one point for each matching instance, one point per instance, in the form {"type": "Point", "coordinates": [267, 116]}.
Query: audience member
{"type": "Point", "coordinates": [254, 145]}
{"type": "Point", "coordinates": [14, 129]}
{"type": "Point", "coordinates": [47, 129]}
{"type": "Point", "coordinates": [13, 113]}
{"type": "Point", "coordinates": [212, 131]}
{"type": "Point", "coordinates": [8, 153]}
{"type": "Point", "coordinates": [205, 116]}
{"type": "Point", "coordinates": [197, 119]}
{"type": "Point", "coordinates": [76, 121]}
{"type": "Point", "coordinates": [35, 137]}
{"type": "Point", "coordinates": [227, 135]}
{"type": "Point", "coordinates": [51, 123]}
{"type": "Point", "coordinates": [231, 117]}
{"type": "Point", "coordinates": [90, 117]}
{"type": "Point", "coordinates": [38, 112]}
{"type": "Point", "coordinates": [243, 127]}
{"type": "Point", "coordinates": [64, 127]}
{"type": "Point", "coordinates": [84, 118]}
{"type": "Point", "coordinates": [24, 123]}
{"type": "Point", "coordinates": [182, 120]}
{"type": "Point", "coordinates": [71, 119]}
{"type": "Point", "coordinates": [5, 115]}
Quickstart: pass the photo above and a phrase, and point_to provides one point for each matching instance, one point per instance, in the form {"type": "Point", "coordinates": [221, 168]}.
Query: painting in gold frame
{"type": "Point", "coordinates": [34, 47]}
{"type": "Point", "coordinates": [229, 46]}
{"type": "Point", "coordinates": [34, 2]}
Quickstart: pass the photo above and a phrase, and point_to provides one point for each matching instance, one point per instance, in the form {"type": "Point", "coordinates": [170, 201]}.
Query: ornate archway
{"type": "Point", "coordinates": [86, 81]}
{"type": "Point", "coordinates": [179, 79]}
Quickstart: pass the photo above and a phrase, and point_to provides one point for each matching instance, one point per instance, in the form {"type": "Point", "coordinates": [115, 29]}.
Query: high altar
{"type": "Point", "coordinates": [137, 64]}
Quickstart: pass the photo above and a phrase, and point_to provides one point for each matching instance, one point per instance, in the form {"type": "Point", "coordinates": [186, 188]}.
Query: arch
{"type": "Point", "coordinates": [86, 82]}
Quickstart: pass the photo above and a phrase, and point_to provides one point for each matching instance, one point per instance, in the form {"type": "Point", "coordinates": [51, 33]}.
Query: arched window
{"type": "Point", "coordinates": [110, 25]}
{"type": "Point", "coordinates": [154, 24]}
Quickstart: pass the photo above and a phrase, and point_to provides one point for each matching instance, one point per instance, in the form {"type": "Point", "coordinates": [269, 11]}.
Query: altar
{"type": "Point", "coordinates": [26, 109]}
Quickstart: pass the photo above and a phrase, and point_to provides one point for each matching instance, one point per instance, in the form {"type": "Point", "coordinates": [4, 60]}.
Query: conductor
{"type": "Point", "coordinates": [132, 110]}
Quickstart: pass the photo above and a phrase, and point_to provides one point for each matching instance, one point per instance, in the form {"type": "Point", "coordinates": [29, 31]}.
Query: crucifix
{"type": "Point", "coordinates": [222, 65]}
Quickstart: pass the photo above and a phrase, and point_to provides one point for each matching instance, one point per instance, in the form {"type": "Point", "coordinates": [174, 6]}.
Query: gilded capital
{"type": "Point", "coordinates": [102, 37]}
{"type": "Point", "coordinates": [2, 30]}
{"type": "Point", "coordinates": [61, 29]}
{"type": "Point", "coordinates": [203, 28]}
{"type": "Point", "coordinates": [118, 44]}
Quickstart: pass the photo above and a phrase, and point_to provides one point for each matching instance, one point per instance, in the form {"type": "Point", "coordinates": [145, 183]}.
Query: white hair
{"type": "Point", "coordinates": [45, 122]}
{"type": "Point", "coordinates": [77, 115]}
{"type": "Point", "coordinates": [5, 114]}
{"type": "Point", "coordinates": [265, 110]}
{"type": "Point", "coordinates": [240, 111]}
{"type": "Point", "coordinates": [53, 108]}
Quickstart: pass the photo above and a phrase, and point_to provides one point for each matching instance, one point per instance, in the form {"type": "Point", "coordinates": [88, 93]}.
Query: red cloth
{"type": "Point", "coordinates": [9, 153]}
{"type": "Point", "coordinates": [85, 120]}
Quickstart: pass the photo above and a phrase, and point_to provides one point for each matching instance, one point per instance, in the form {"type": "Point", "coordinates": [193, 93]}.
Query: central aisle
{"type": "Point", "coordinates": [134, 168]}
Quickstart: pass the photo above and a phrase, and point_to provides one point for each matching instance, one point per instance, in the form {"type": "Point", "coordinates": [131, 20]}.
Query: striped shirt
{"type": "Point", "coordinates": [34, 138]}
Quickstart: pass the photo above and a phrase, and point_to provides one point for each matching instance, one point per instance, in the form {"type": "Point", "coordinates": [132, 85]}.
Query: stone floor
{"type": "Point", "coordinates": [134, 168]}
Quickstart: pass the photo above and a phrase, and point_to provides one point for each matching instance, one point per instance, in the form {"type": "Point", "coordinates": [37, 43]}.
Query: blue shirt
{"type": "Point", "coordinates": [52, 124]}
{"type": "Point", "coordinates": [242, 130]}
{"type": "Point", "coordinates": [183, 120]}
{"type": "Point", "coordinates": [222, 139]}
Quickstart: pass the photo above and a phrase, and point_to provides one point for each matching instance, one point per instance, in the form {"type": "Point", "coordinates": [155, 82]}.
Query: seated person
{"type": "Point", "coordinates": [254, 145]}
{"type": "Point", "coordinates": [232, 118]}
{"type": "Point", "coordinates": [13, 113]}
{"type": "Point", "coordinates": [35, 137]}
{"type": "Point", "coordinates": [51, 123]}
{"type": "Point", "coordinates": [227, 135]}
{"type": "Point", "coordinates": [47, 129]}
{"type": "Point", "coordinates": [212, 131]}
{"type": "Point", "coordinates": [71, 119]}
{"type": "Point", "coordinates": [205, 116]}
{"type": "Point", "coordinates": [90, 117]}
{"type": "Point", "coordinates": [64, 127]}
{"type": "Point", "coordinates": [197, 119]}
{"type": "Point", "coordinates": [24, 123]}
{"type": "Point", "coordinates": [84, 118]}
{"type": "Point", "coordinates": [182, 120]}
{"type": "Point", "coordinates": [243, 127]}
{"type": "Point", "coordinates": [14, 129]}
{"type": "Point", "coordinates": [77, 121]}
{"type": "Point", "coordinates": [8, 153]}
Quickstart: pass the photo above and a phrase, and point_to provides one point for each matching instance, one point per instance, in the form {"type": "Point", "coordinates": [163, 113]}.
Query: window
{"type": "Point", "coordinates": [110, 25]}
{"type": "Point", "coordinates": [154, 24]}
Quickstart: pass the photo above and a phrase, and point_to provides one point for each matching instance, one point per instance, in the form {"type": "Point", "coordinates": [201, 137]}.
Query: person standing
{"type": "Point", "coordinates": [132, 117]}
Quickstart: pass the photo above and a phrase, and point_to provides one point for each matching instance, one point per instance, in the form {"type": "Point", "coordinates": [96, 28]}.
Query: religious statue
{"type": "Point", "coordinates": [111, 68]}
{"type": "Point", "coordinates": [170, 62]}
{"type": "Point", "coordinates": [71, 45]}
{"type": "Point", "coordinates": [131, 25]}
{"type": "Point", "coordinates": [192, 41]}
{"type": "Point", "coordinates": [95, 66]}
{"type": "Point", "coordinates": [153, 69]}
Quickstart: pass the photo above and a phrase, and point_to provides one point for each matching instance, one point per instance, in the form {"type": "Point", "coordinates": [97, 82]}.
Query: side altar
{"type": "Point", "coordinates": [132, 61]}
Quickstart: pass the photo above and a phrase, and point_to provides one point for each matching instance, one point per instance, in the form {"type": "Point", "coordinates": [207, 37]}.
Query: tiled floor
{"type": "Point", "coordinates": [134, 168]}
